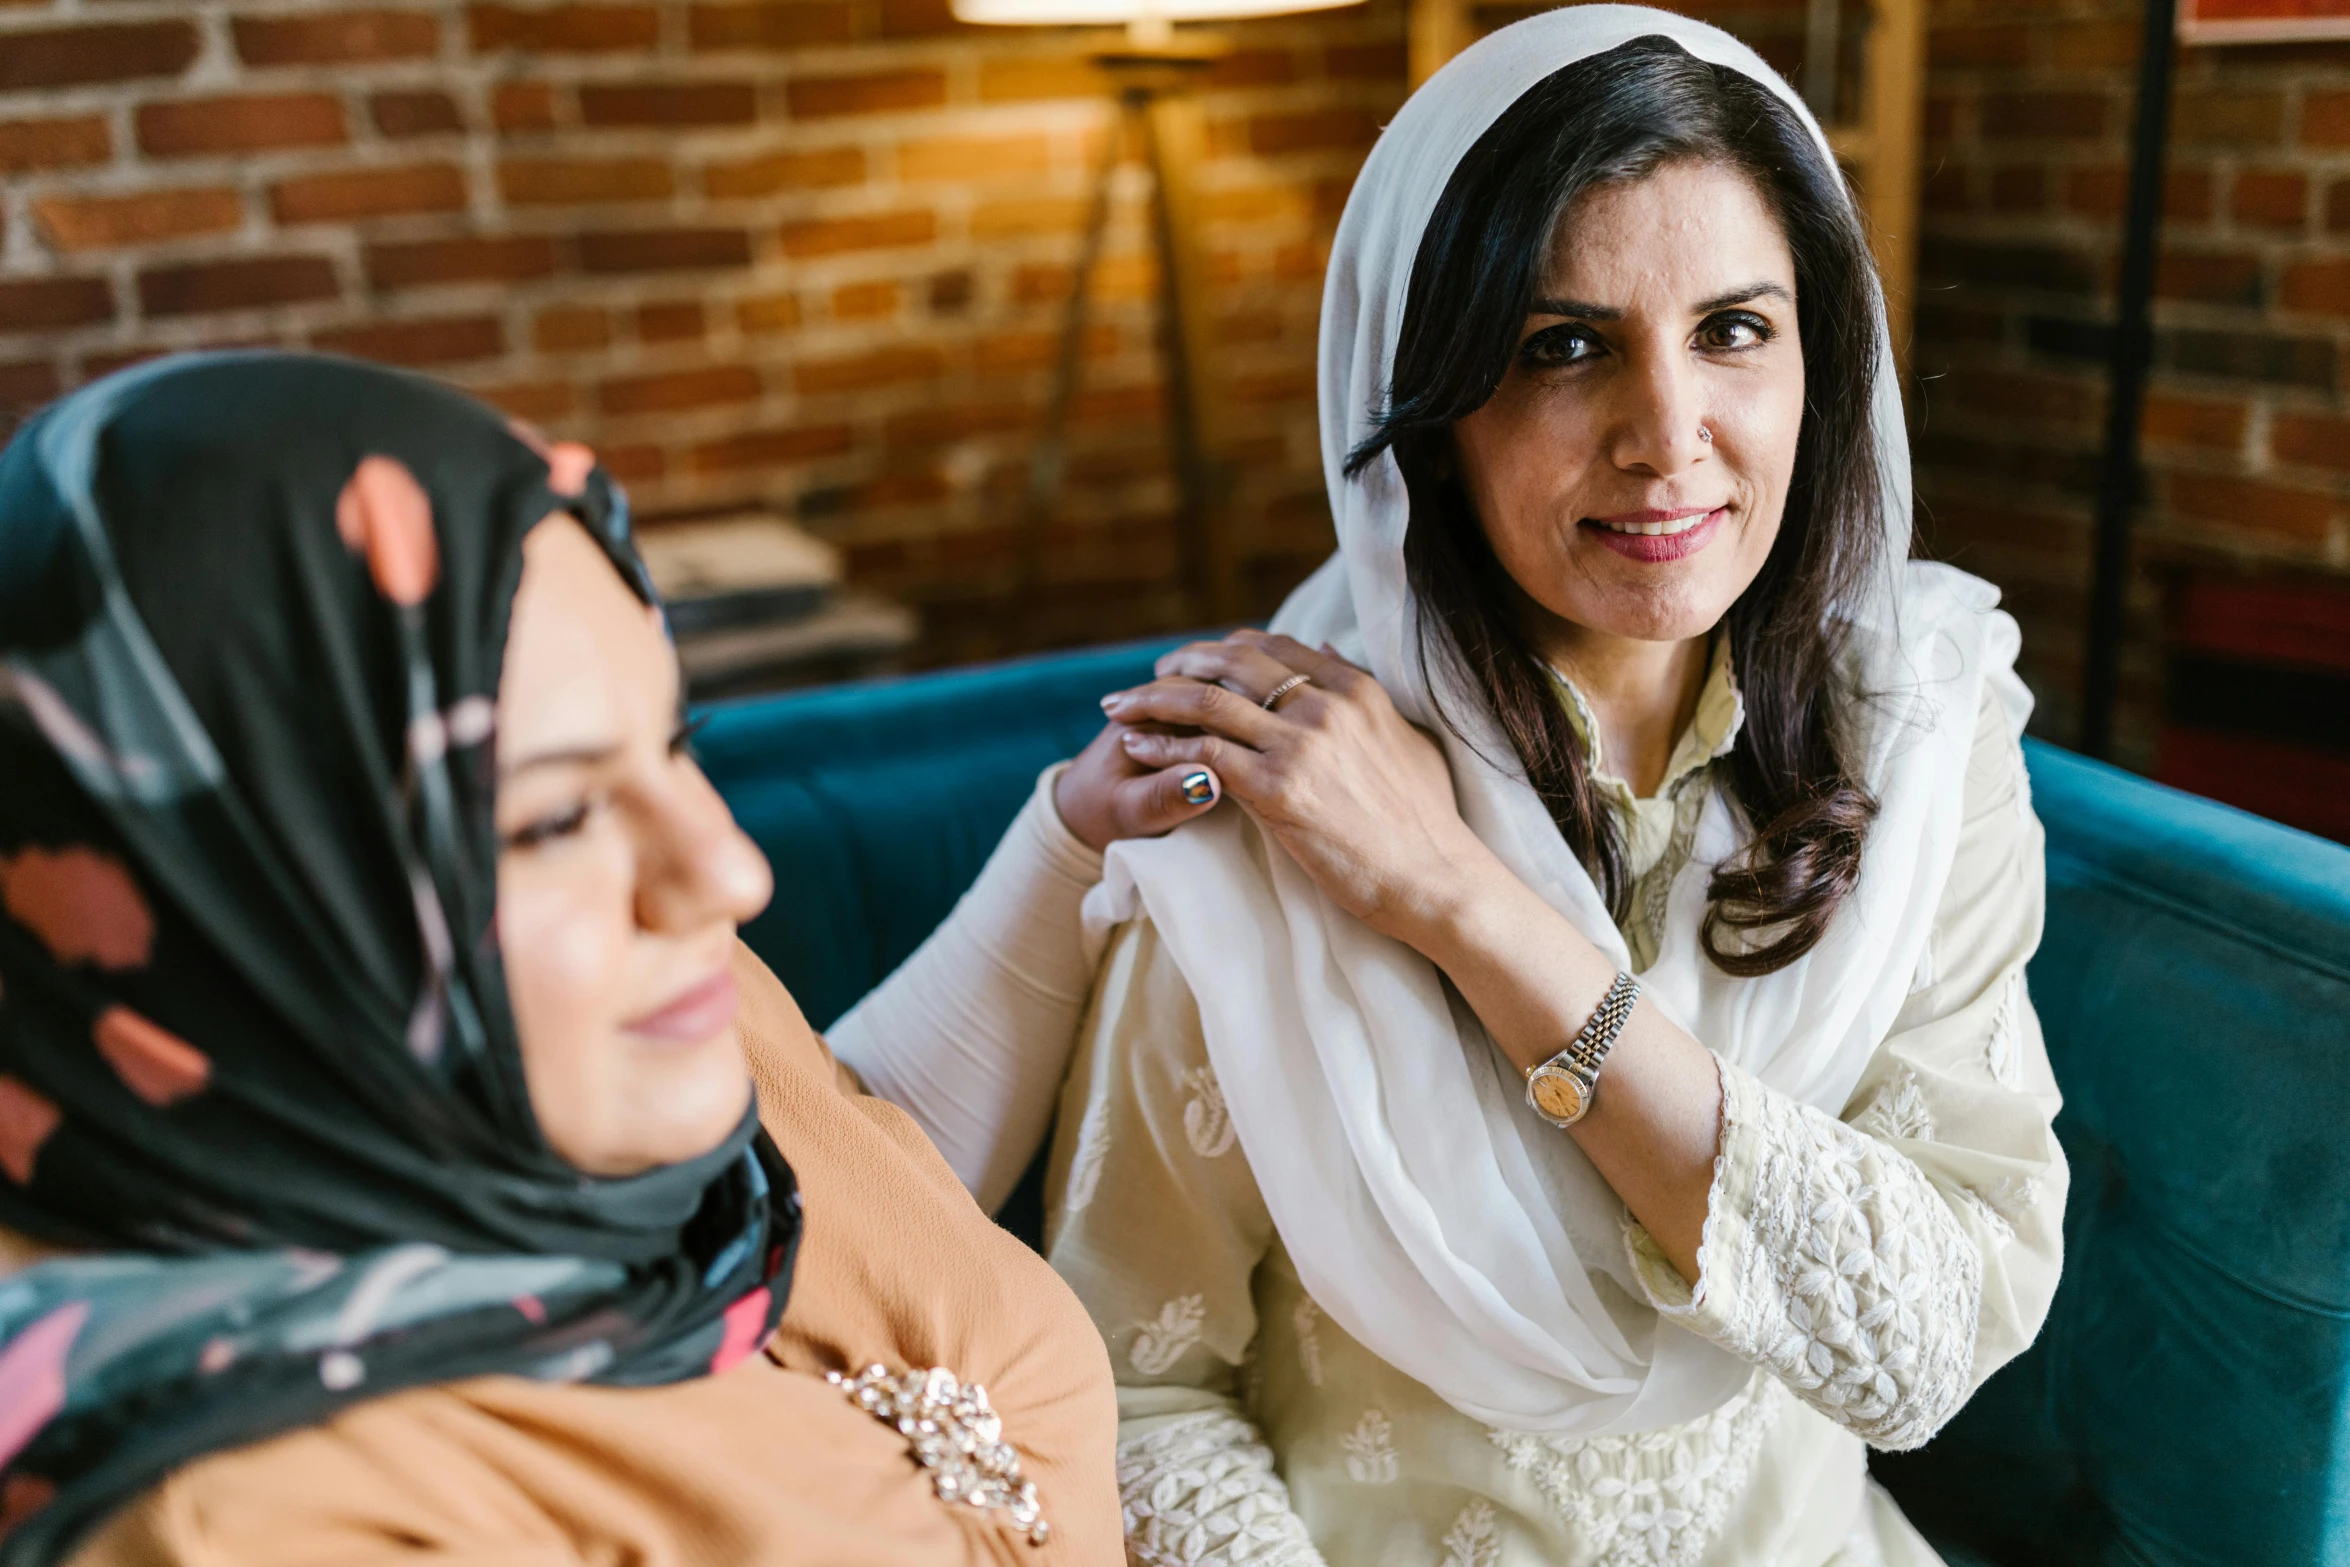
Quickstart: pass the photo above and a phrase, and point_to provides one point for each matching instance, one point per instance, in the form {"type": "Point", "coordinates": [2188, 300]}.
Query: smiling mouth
{"type": "Point", "coordinates": [1655, 524]}
{"type": "Point", "coordinates": [1658, 537]}
{"type": "Point", "coordinates": [692, 1016]}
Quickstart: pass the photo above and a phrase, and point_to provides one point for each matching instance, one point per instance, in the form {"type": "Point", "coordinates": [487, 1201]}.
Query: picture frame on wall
{"type": "Point", "coordinates": [2262, 21]}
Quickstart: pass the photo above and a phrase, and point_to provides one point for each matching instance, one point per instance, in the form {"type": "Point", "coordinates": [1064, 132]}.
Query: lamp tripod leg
{"type": "Point", "coordinates": [1049, 462]}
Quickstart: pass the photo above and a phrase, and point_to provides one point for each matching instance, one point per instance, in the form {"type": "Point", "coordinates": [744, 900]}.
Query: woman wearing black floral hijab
{"type": "Point", "coordinates": [368, 1023]}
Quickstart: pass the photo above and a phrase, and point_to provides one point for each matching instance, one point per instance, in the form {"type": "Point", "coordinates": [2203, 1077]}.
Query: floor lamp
{"type": "Point", "coordinates": [1151, 74]}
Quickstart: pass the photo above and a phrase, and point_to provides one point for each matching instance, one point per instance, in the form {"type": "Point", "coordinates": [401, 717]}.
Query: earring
{"type": "Point", "coordinates": [1704, 434]}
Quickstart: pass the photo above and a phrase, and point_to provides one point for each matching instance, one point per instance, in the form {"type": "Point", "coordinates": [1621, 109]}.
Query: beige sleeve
{"type": "Point", "coordinates": [1154, 1219]}
{"type": "Point", "coordinates": [1884, 1262]}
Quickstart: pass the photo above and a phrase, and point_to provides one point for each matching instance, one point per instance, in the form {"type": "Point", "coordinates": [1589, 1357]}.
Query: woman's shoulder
{"type": "Point", "coordinates": [769, 1464]}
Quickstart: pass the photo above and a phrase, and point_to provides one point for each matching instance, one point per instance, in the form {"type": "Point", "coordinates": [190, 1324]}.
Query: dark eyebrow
{"type": "Point", "coordinates": [1587, 312]}
{"type": "Point", "coordinates": [568, 756]}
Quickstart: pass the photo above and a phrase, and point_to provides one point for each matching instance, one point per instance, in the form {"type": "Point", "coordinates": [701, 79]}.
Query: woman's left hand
{"type": "Point", "coordinates": [1360, 798]}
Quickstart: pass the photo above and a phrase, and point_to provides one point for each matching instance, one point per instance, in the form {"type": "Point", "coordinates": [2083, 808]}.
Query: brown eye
{"type": "Point", "coordinates": [1554, 346]}
{"type": "Point", "coordinates": [1734, 330]}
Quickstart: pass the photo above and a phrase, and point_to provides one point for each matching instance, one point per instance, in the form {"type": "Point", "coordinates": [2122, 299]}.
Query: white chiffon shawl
{"type": "Point", "coordinates": [1427, 1210]}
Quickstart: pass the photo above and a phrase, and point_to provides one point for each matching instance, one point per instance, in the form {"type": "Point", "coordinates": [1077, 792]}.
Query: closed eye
{"type": "Point", "coordinates": [682, 742]}
{"type": "Point", "coordinates": [548, 828]}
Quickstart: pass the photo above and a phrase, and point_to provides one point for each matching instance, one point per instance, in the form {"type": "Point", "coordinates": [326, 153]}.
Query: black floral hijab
{"type": "Point", "coordinates": [256, 1060]}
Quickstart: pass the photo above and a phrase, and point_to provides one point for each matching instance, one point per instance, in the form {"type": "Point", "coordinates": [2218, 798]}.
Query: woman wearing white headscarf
{"type": "Point", "coordinates": [1576, 1144]}
{"type": "Point", "coordinates": [1600, 327]}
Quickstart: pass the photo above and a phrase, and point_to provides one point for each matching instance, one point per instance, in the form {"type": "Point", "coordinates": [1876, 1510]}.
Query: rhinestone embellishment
{"type": "Point", "coordinates": [955, 1435]}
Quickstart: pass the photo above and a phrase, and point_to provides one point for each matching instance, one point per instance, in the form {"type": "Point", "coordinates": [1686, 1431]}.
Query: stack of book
{"type": "Point", "coordinates": [757, 604]}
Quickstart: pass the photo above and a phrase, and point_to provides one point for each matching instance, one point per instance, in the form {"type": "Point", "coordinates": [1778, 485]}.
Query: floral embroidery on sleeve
{"type": "Point", "coordinates": [1206, 1124]}
{"type": "Point", "coordinates": [1370, 1450]}
{"type": "Point", "coordinates": [1833, 1262]}
{"type": "Point", "coordinates": [1202, 1490]}
{"type": "Point", "coordinates": [1472, 1541]}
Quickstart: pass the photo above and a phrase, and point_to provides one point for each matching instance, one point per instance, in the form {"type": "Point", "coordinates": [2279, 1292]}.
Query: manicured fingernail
{"type": "Point", "coordinates": [1110, 702]}
{"type": "Point", "coordinates": [1132, 739]}
{"type": "Point", "coordinates": [1198, 788]}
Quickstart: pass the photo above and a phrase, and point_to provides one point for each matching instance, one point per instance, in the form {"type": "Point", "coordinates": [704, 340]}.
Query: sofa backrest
{"type": "Point", "coordinates": [2189, 1401]}
{"type": "Point", "coordinates": [877, 803]}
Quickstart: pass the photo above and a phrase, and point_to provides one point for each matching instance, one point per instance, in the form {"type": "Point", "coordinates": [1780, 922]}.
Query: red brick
{"type": "Point", "coordinates": [447, 341]}
{"type": "Point", "coordinates": [768, 313]}
{"type": "Point", "coordinates": [864, 301]}
{"type": "Point", "coordinates": [790, 25]}
{"type": "Point", "coordinates": [2103, 191]}
{"type": "Point", "coordinates": [890, 366]}
{"type": "Point", "coordinates": [633, 464]}
{"type": "Point", "coordinates": [546, 182]}
{"type": "Point", "coordinates": [2019, 187]}
{"type": "Point", "coordinates": [675, 321]}
{"type": "Point", "coordinates": [2319, 440]}
{"type": "Point", "coordinates": [2009, 44]}
{"type": "Point", "coordinates": [1035, 215]}
{"type": "Point", "coordinates": [2338, 207]}
{"type": "Point", "coordinates": [921, 19]}
{"type": "Point", "coordinates": [945, 425]}
{"type": "Point", "coordinates": [78, 223]}
{"type": "Point", "coordinates": [2192, 421]}
{"type": "Point", "coordinates": [2228, 119]}
{"type": "Point", "coordinates": [70, 56]}
{"type": "Point", "coordinates": [569, 329]}
{"type": "Point", "coordinates": [2271, 198]}
{"type": "Point", "coordinates": [423, 263]}
{"type": "Point", "coordinates": [2251, 506]}
{"type": "Point", "coordinates": [870, 231]}
{"type": "Point", "coordinates": [664, 250]}
{"type": "Point", "coordinates": [1947, 189]}
{"type": "Point", "coordinates": [2043, 115]}
{"type": "Point", "coordinates": [404, 114]}
{"type": "Point", "coordinates": [255, 122]}
{"type": "Point", "coordinates": [243, 284]}
{"type": "Point", "coordinates": [1023, 78]}
{"type": "Point", "coordinates": [563, 29]}
{"type": "Point", "coordinates": [2321, 287]}
{"type": "Point", "coordinates": [2212, 278]}
{"type": "Point", "coordinates": [39, 303]}
{"type": "Point", "coordinates": [1004, 353]}
{"type": "Point", "coordinates": [1252, 68]}
{"type": "Point", "coordinates": [28, 384]}
{"type": "Point", "coordinates": [1312, 131]}
{"type": "Point", "coordinates": [2040, 399]}
{"type": "Point", "coordinates": [677, 103]}
{"type": "Point", "coordinates": [974, 158]}
{"type": "Point", "coordinates": [2102, 45]}
{"type": "Point", "coordinates": [784, 171]}
{"type": "Point", "coordinates": [713, 384]}
{"type": "Point", "coordinates": [1380, 62]}
{"type": "Point", "coordinates": [335, 37]}
{"type": "Point", "coordinates": [2325, 119]}
{"type": "Point", "coordinates": [772, 448]}
{"type": "Point", "coordinates": [26, 145]}
{"type": "Point", "coordinates": [880, 92]}
{"type": "Point", "coordinates": [523, 106]}
{"type": "Point", "coordinates": [545, 400]}
{"type": "Point", "coordinates": [368, 193]}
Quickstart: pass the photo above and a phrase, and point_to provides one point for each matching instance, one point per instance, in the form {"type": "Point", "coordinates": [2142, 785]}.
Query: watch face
{"type": "Point", "coordinates": [1557, 1095]}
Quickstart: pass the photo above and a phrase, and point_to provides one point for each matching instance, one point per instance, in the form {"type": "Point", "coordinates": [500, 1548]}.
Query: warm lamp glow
{"type": "Point", "coordinates": [1124, 13]}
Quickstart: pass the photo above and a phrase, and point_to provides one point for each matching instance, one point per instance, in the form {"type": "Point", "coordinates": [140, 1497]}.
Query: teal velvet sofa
{"type": "Point", "coordinates": [2188, 1404]}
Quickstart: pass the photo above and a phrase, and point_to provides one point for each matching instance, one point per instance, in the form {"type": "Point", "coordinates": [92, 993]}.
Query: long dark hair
{"type": "Point", "coordinates": [1614, 117]}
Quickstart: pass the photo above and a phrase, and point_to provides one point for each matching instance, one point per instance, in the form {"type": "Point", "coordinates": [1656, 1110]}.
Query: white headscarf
{"type": "Point", "coordinates": [1454, 1234]}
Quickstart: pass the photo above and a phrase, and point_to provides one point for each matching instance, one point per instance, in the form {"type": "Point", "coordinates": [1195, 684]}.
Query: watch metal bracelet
{"type": "Point", "coordinates": [1561, 1089]}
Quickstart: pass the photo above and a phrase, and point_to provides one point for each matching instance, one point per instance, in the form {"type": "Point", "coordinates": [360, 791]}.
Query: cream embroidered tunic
{"type": "Point", "coordinates": [1874, 1267]}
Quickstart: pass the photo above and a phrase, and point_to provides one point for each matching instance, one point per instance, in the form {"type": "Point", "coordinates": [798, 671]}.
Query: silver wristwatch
{"type": "Point", "coordinates": [1561, 1089]}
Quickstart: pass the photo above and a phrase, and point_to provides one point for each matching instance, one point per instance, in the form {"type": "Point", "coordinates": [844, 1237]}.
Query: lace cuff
{"type": "Point", "coordinates": [1830, 1260]}
{"type": "Point", "coordinates": [1201, 1489]}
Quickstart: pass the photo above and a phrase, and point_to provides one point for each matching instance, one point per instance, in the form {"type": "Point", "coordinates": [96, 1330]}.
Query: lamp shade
{"type": "Point", "coordinates": [1119, 13]}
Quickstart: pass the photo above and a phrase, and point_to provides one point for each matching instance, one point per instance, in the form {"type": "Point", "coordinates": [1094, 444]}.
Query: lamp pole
{"type": "Point", "coordinates": [2132, 356]}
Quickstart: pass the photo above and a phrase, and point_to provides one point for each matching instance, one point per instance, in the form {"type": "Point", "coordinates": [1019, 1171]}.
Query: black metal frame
{"type": "Point", "coordinates": [2132, 357]}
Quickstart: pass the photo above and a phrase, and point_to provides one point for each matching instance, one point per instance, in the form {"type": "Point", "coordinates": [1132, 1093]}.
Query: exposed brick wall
{"type": "Point", "coordinates": [812, 253]}
{"type": "Point", "coordinates": [2246, 444]}
{"type": "Point", "coordinates": [809, 253]}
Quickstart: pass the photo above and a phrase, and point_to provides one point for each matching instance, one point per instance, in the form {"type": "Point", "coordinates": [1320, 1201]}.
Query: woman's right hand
{"type": "Point", "coordinates": [1108, 793]}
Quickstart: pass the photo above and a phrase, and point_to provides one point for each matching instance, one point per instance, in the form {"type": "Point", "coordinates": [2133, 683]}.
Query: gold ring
{"type": "Point", "coordinates": [1283, 689]}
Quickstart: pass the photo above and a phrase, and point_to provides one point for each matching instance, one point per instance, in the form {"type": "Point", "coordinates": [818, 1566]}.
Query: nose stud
{"type": "Point", "coordinates": [1704, 434]}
